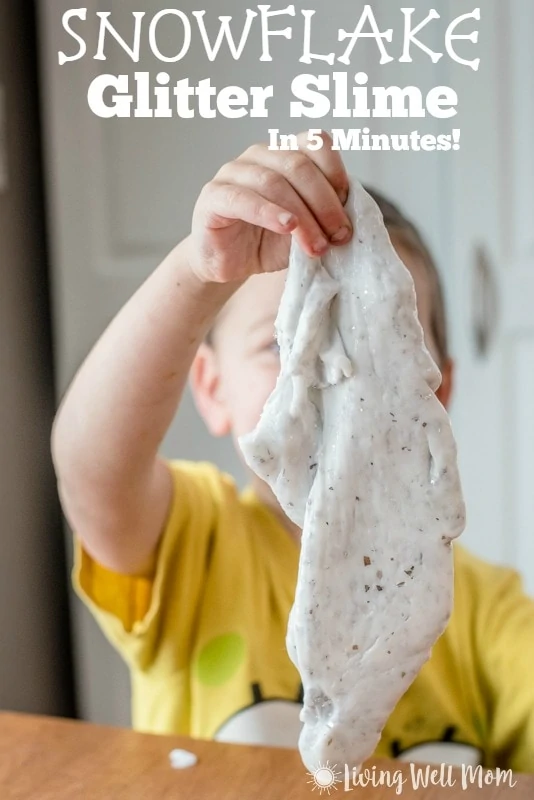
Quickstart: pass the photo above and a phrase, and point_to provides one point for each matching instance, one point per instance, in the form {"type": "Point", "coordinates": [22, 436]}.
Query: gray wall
{"type": "Point", "coordinates": [34, 641]}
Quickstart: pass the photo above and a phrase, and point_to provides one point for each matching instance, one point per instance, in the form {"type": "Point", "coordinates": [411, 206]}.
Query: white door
{"type": "Point", "coordinates": [492, 257]}
{"type": "Point", "coordinates": [121, 194]}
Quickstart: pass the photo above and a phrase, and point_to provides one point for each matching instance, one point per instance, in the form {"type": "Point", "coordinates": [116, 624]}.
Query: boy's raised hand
{"type": "Point", "coordinates": [244, 217]}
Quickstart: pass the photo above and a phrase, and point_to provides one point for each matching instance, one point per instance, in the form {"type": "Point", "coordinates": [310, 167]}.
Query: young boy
{"type": "Point", "coordinates": [192, 581]}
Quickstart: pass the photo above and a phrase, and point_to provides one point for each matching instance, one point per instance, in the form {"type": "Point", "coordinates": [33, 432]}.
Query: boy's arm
{"type": "Point", "coordinates": [115, 491]}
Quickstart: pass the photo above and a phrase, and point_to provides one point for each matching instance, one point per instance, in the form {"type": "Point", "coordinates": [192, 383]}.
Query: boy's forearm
{"type": "Point", "coordinates": [124, 397]}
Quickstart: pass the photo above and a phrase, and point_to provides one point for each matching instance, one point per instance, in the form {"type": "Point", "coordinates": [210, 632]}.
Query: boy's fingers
{"type": "Point", "coordinates": [329, 162]}
{"type": "Point", "coordinates": [222, 204]}
{"type": "Point", "coordinates": [310, 183]}
{"type": "Point", "coordinates": [274, 187]}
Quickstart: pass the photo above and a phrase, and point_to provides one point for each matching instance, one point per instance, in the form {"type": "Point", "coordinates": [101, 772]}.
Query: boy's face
{"type": "Point", "coordinates": [233, 378]}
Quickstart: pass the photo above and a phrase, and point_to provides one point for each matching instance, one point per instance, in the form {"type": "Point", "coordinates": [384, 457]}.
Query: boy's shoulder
{"type": "Point", "coordinates": [204, 485]}
{"type": "Point", "coordinates": [488, 592]}
{"type": "Point", "coordinates": [203, 477]}
{"type": "Point", "coordinates": [479, 571]}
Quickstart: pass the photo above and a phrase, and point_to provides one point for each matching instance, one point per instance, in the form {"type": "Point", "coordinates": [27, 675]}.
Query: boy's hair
{"type": "Point", "coordinates": [400, 226]}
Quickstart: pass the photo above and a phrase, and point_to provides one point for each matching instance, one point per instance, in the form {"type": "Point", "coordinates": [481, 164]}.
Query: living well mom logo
{"type": "Point", "coordinates": [328, 778]}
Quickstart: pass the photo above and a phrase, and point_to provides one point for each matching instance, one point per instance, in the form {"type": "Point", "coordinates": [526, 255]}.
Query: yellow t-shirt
{"type": "Point", "coordinates": [205, 639]}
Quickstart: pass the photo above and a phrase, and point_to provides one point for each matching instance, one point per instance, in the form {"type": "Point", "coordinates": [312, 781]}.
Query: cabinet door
{"type": "Point", "coordinates": [492, 259]}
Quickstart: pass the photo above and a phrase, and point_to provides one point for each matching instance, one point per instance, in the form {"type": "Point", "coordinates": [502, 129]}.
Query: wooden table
{"type": "Point", "coordinates": [51, 759]}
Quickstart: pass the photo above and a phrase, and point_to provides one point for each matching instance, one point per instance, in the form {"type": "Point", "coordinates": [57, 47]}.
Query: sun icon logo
{"type": "Point", "coordinates": [325, 778]}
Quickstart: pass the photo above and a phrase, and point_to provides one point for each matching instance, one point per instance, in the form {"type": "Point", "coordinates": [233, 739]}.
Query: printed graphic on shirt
{"type": "Point", "coordinates": [275, 722]}
{"type": "Point", "coordinates": [443, 751]}
{"type": "Point", "coordinates": [220, 658]}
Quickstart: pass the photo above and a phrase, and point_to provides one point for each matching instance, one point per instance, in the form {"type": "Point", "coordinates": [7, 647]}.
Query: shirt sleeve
{"type": "Point", "coordinates": [149, 619]}
{"type": "Point", "coordinates": [508, 664]}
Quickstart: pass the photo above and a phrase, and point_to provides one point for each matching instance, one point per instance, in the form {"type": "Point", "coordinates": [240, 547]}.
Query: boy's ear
{"type": "Point", "coordinates": [444, 392]}
{"type": "Point", "coordinates": [204, 379]}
